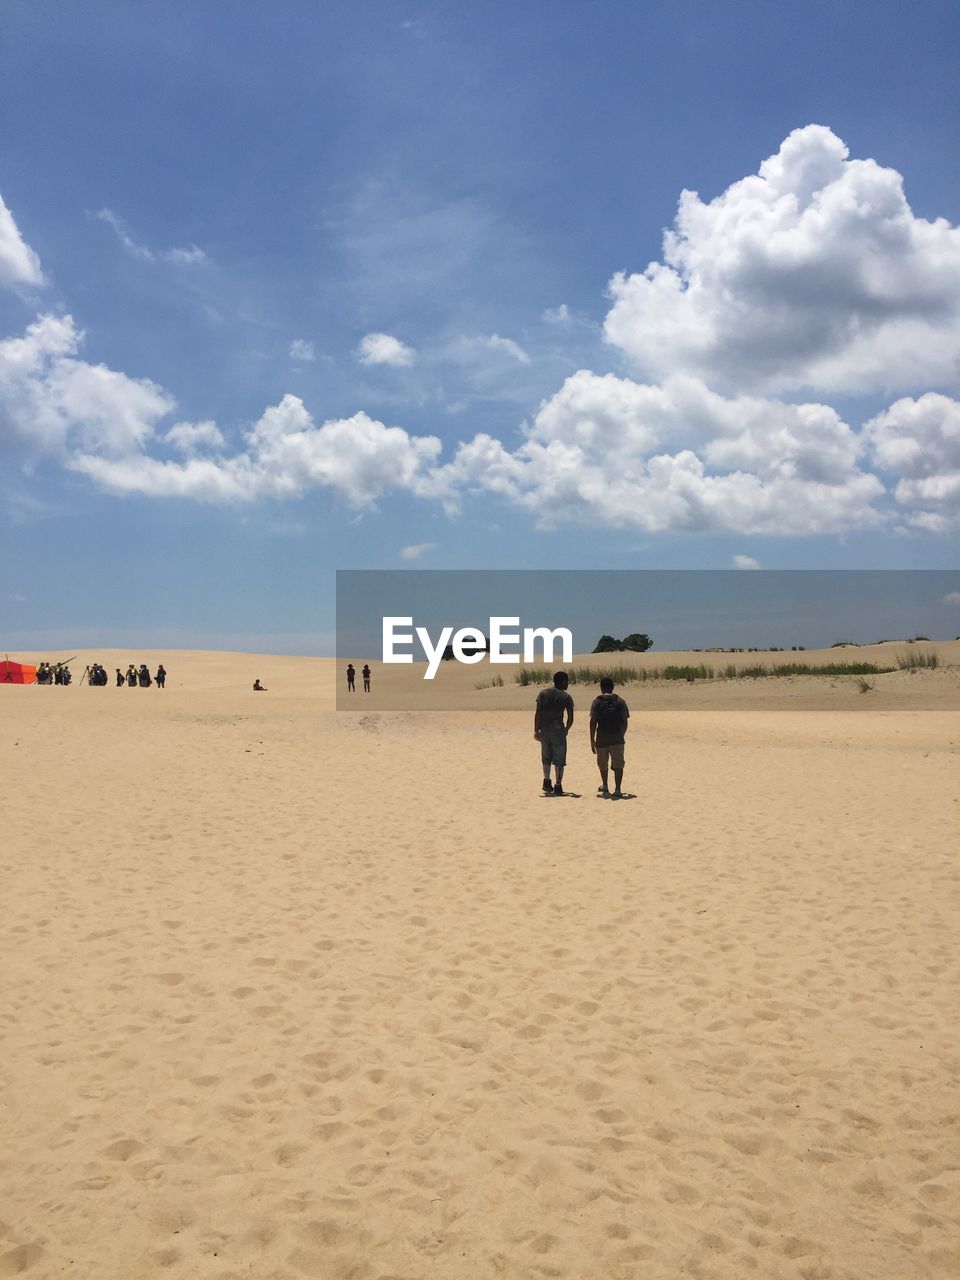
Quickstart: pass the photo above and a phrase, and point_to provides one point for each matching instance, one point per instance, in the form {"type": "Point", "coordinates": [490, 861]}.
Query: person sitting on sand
{"type": "Point", "coordinates": [258, 687]}
{"type": "Point", "coordinates": [351, 678]}
{"type": "Point", "coordinates": [366, 677]}
{"type": "Point", "coordinates": [608, 725]}
{"type": "Point", "coordinates": [553, 707]}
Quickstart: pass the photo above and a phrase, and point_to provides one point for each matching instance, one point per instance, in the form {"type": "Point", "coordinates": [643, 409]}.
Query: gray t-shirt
{"type": "Point", "coordinates": [551, 704]}
{"type": "Point", "coordinates": [607, 737]}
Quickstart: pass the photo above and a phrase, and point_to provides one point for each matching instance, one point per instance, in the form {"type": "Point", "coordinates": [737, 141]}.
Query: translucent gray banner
{"type": "Point", "coordinates": [418, 640]}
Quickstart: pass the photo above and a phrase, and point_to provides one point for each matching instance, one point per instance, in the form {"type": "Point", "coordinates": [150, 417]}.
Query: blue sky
{"type": "Point", "coordinates": [291, 288]}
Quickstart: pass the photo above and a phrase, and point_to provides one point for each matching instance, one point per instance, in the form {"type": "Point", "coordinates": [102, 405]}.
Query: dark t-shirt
{"type": "Point", "coordinates": [609, 739]}
{"type": "Point", "coordinates": [552, 703]}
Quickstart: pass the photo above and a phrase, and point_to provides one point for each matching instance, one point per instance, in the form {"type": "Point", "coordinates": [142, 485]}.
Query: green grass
{"type": "Point", "coordinates": [916, 659]}
{"type": "Point", "coordinates": [640, 675]}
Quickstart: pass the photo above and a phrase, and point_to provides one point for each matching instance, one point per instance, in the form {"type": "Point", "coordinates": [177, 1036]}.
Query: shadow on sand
{"type": "Point", "coordinates": [627, 795]}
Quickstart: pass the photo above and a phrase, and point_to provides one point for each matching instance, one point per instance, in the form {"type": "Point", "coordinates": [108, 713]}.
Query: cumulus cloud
{"type": "Point", "coordinates": [358, 458]}
{"type": "Point", "coordinates": [812, 273]}
{"type": "Point", "coordinates": [746, 562]}
{"type": "Point", "coordinates": [919, 442]}
{"type": "Point", "coordinates": [189, 256]}
{"type": "Point", "coordinates": [605, 450]}
{"type": "Point", "coordinates": [104, 424]}
{"type": "Point", "coordinates": [51, 401]}
{"type": "Point", "coordinates": [192, 437]}
{"type": "Point", "coordinates": [952, 597]}
{"type": "Point", "coordinates": [602, 450]}
{"type": "Point", "coordinates": [18, 262]}
{"type": "Point", "coordinates": [383, 348]}
{"type": "Point", "coordinates": [302, 351]}
{"type": "Point", "coordinates": [416, 550]}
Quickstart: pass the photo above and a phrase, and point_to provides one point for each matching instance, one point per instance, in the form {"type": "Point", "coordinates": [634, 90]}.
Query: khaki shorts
{"type": "Point", "coordinates": [612, 755]}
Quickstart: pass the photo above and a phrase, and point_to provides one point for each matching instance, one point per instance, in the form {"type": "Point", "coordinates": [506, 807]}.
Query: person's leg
{"type": "Point", "coordinates": [546, 759]}
{"type": "Point", "coordinates": [616, 755]}
{"type": "Point", "coordinates": [603, 764]}
{"type": "Point", "coordinates": [560, 761]}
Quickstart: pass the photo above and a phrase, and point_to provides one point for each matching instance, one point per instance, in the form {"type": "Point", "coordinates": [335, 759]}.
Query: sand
{"type": "Point", "coordinates": [289, 993]}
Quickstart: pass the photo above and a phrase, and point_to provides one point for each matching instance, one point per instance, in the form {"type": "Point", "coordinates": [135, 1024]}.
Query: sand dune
{"type": "Point", "coordinates": [290, 993]}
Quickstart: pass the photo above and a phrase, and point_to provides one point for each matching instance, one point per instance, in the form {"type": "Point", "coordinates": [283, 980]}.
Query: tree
{"type": "Point", "coordinates": [637, 642]}
{"type": "Point", "coordinates": [607, 644]}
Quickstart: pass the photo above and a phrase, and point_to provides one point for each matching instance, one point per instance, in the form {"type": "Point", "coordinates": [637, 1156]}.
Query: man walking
{"type": "Point", "coordinates": [551, 724]}
{"type": "Point", "coordinates": [351, 678]}
{"type": "Point", "coordinates": [608, 726]}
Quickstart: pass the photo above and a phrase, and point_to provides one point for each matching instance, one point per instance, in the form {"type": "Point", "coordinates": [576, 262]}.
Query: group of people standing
{"type": "Point", "coordinates": [553, 721]}
{"type": "Point", "coordinates": [352, 678]}
{"type": "Point", "coordinates": [140, 677]}
{"type": "Point", "coordinates": [53, 673]}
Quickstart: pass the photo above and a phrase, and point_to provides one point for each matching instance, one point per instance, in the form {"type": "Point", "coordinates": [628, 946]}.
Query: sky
{"type": "Point", "coordinates": [295, 288]}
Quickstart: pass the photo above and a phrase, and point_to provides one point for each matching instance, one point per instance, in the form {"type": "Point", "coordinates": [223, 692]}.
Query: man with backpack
{"type": "Point", "coordinates": [608, 725]}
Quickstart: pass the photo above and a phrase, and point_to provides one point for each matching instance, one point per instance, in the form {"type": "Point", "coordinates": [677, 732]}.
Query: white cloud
{"type": "Point", "coordinates": [383, 348]}
{"type": "Point", "coordinates": [416, 550]}
{"type": "Point", "coordinates": [812, 273]}
{"type": "Point", "coordinates": [51, 401]}
{"type": "Point", "coordinates": [286, 455]}
{"type": "Point", "coordinates": [189, 256]}
{"type": "Point", "coordinates": [189, 437]}
{"type": "Point", "coordinates": [919, 441]}
{"type": "Point", "coordinates": [557, 315]}
{"type": "Point", "coordinates": [302, 350]}
{"type": "Point", "coordinates": [952, 597]}
{"type": "Point", "coordinates": [605, 450]}
{"type": "Point", "coordinates": [746, 562]}
{"type": "Point", "coordinates": [507, 345]}
{"type": "Point", "coordinates": [18, 262]}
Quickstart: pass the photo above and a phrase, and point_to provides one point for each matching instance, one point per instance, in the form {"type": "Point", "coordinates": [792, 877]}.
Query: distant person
{"type": "Point", "coordinates": [351, 679]}
{"type": "Point", "coordinates": [366, 677]}
{"type": "Point", "coordinates": [161, 676]}
{"type": "Point", "coordinates": [608, 726]}
{"type": "Point", "coordinates": [552, 722]}
{"type": "Point", "coordinates": [120, 680]}
{"type": "Point", "coordinates": [143, 676]}
{"type": "Point", "coordinates": [258, 687]}
{"type": "Point", "coordinates": [131, 676]}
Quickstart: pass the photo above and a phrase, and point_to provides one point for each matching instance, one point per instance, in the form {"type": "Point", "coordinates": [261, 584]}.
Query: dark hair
{"type": "Point", "coordinates": [560, 678]}
{"type": "Point", "coordinates": [606, 684]}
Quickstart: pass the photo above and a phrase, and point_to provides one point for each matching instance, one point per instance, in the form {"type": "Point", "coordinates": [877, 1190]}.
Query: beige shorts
{"type": "Point", "coordinates": [613, 755]}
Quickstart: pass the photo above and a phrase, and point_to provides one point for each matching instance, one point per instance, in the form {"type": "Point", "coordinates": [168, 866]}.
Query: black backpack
{"type": "Point", "coordinates": [610, 714]}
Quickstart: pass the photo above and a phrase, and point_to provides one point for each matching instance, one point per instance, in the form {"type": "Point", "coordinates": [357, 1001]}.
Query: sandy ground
{"type": "Point", "coordinates": [289, 993]}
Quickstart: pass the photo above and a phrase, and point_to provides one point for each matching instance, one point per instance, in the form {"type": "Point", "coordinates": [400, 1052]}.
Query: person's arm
{"type": "Point", "coordinates": [536, 720]}
{"type": "Point", "coordinates": [569, 715]}
{"type": "Point", "coordinates": [593, 734]}
{"type": "Point", "coordinates": [626, 719]}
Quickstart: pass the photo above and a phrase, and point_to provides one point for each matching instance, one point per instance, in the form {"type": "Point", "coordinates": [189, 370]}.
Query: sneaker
{"type": "Point", "coordinates": [603, 791]}
{"type": "Point", "coordinates": [558, 790]}
{"type": "Point", "coordinates": [547, 787]}
{"type": "Point", "coordinates": [618, 795]}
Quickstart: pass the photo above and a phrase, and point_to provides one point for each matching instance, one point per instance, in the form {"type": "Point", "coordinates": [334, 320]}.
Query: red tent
{"type": "Point", "coordinates": [17, 672]}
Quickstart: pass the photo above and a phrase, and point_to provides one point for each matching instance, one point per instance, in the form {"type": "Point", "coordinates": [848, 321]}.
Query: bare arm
{"type": "Point", "coordinates": [536, 722]}
{"type": "Point", "coordinates": [593, 735]}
